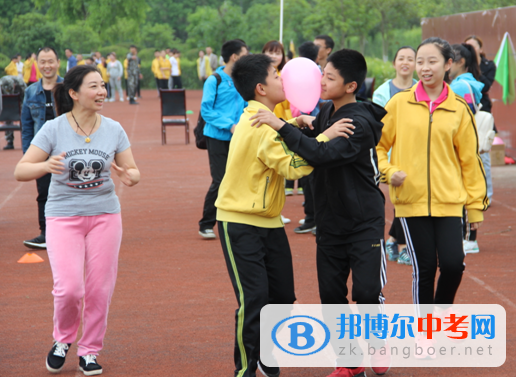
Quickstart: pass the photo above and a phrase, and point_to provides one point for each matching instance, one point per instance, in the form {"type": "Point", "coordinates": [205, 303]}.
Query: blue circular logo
{"type": "Point", "coordinates": [304, 335]}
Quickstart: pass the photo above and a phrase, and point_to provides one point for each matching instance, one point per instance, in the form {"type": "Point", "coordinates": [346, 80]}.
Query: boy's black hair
{"type": "Point", "coordinates": [351, 65]}
{"type": "Point", "coordinates": [309, 50]}
{"type": "Point", "coordinates": [232, 47]}
{"type": "Point", "coordinates": [131, 46]}
{"type": "Point", "coordinates": [328, 41]}
{"type": "Point", "coordinates": [290, 55]}
{"type": "Point", "coordinates": [250, 71]}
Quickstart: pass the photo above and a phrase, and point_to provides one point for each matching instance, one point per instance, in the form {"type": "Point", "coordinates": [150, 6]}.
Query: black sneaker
{"type": "Point", "coordinates": [88, 365]}
{"type": "Point", "coordinates": [268, 371]}
{"type": "Point", "coordinates": [305, 228]}
{"type": "Point", "coordinates": [56, 357]}
{"type": "Point", "coordinates": [133, 102]}
{"type": "Point", "coordinates": [36, 243]}
{"type": "Point", "coordinates": [9, 146]}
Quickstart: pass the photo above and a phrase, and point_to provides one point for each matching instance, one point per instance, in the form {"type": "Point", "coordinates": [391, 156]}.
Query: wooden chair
{"type": "Point", "coordinates": [11, 112]}
{"type": "Point", "coordinates": [173, 103]}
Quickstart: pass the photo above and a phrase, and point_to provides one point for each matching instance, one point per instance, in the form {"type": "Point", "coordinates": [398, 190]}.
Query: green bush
{"type": "Point", "coordinates": [380, 70]}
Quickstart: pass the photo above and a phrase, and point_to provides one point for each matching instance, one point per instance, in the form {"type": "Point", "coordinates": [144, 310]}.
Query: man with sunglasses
{"type": "Point", "coordinates": [38, 107]}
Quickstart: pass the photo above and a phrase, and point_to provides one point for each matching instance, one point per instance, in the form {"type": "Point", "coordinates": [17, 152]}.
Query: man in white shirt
{"type": "Point", "coordinates": [175, 77]}
{"type": "Point", "coordinates": [19, 66]}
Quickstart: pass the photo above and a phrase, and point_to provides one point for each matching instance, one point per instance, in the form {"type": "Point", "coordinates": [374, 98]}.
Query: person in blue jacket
{"type": "Point", "coordinates": [221, 108]}
{"type": "Point", "coordinates": [465, 73]}
{"type": "Point", "coordinates": [39, 107]}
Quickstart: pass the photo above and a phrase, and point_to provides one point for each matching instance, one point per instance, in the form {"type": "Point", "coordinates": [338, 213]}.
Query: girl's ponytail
{"type": "Point", "coordinates": [63, 101]}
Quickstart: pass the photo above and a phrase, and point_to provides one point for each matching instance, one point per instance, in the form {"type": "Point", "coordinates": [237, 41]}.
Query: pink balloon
{"type": "Point", "coordinates": [302, 83]}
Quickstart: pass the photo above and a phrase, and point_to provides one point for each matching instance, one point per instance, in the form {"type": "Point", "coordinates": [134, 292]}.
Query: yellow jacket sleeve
{"type": "Point", "coordinates": [473, 174]}
{"type": "Point", "coordinates": [11, 69]}
{"type": "Point", "coordinates": [274, 153]}
{"type": "Point", "coordinates": [208, 67]}
{"type": "Point", "coordinates": [385, 144]}
{"type": "Point", "coordinates": [155, 68]}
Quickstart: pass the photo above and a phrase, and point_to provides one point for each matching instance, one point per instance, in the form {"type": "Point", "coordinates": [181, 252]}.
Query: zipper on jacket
{"type": "Point", "coordinates": [265, 192]}
{"type": "Point", "coordinates": [428, 164]}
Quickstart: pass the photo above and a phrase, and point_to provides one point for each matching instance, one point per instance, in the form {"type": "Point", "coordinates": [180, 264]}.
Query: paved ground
{"type": "Point", "coordinates": [172, 312]}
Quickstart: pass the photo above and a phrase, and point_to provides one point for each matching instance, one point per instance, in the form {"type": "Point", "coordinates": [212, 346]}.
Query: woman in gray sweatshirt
{"type": "Point", "coordinates": [115, 71]}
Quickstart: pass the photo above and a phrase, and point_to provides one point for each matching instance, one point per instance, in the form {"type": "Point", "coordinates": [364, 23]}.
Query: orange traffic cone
{"type": "Point", "coordinates": [31, 258]}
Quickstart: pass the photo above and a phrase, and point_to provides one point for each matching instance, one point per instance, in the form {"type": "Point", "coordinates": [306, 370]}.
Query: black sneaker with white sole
{"type": "Point", "coordinates": [305, 228]}
{"type": "Point", "coordinates": [268, 371]}
{"type": "Point", "coordinates": [89, 366]}
{"type": "Point", "coordinates": [38, 242]}
{"type": "Point", "coordinates": [56, 357]}
{"type": "Point", "coordinates": [207, 233]}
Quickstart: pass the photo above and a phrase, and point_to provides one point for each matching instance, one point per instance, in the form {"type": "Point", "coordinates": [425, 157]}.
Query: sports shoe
{"type": "Point", "coordinates": [305, 228]}
{"type": "Point", "coordinates": [404, 258]}
{"type": "Point", "coordinates": [347, 372]}
{"type": "Point", "coordinates": [302, 221]}
{"type": "Point", "coordinates": [133, 102]}
{"type": "Point", "coordinates": [121, 100]}
{"type": "Point", "coordinates": [314, 231]}
{"type": "Point", "coordinates": [393, 252]}
{"type": "Point", "coordinates": [381, 363]}
{"type": "Point", "coordinates": [268, 371]}
{"type": "Point", "coordinates": [88, 365]}
{"type": "Point", "coordinates": [300, 191]}
{"type": "Point", "coordinates": [285, 220]}
{"type": "Point", "coordinates": [422, 346]}
{"type": "Point", "coordinates": [207, 233]}
{"type": "Point", "coordinates": [471, 247]}
{"type": "Point", "coordinates": [289, 192]}
{"type": "Point", "coordinates": [38, 242]}
{"type": "Point", "coordinates": [9, 146]}
{"type": "Point", "coordinates": [56, 357]}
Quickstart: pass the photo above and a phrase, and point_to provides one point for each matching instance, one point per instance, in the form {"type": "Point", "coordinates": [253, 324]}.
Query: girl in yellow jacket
{"type": "Point", "coordinates": [31, 73]}
{"type": "Point", "coordinates": [434, 172]}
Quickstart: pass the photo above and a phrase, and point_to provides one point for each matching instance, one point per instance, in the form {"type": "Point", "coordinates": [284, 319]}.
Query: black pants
{"type": "Point", "coordinates": [396, 231]}
{"type": "Point", "coordinates": [176, 82]}
{"type": "Point", "coordinates": [108, 89]}
{"type": "Point", "coordinates": [218, 155]}
{"type": "Point", "coordinates": [259, 263]}
{"type": "Point", "coordinates": [162, 83]}
{"type": "Point", "coordinates": [308, 184]}
{"type": "Point", "coordinates": [433, 242]}
{"type": "Point", "coordinates": [42, 185]}
{"type": "Point", "coordinates": [367, 261]}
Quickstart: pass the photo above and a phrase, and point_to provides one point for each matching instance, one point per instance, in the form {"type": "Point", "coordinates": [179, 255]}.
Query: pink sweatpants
{"type": "Point", "coordinates": [83, 254]}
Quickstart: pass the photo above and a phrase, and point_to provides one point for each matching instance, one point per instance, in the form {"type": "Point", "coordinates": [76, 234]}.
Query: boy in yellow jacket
{"type": "Point", "coordinates": [12, 69]}
{"type": "Point", "coordinates": [250, 199]}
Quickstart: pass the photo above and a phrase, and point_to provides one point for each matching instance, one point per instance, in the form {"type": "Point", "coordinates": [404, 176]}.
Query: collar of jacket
{"type": "Point", "coordinates": [449, 103]}
{"type": "Point", "coordinates": [254, 106]}
{"type": "Point", "coordinates": [40, 84]}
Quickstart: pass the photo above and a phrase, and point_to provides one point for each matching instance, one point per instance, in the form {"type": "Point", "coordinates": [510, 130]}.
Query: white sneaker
{"type": "Point", "coordinates": [207, 233]}
{"type": "Point", "coordinates": [285, 220]}
{"type": "Point", "coordinates": [121, 100]}
{"type": "Point", "coordinates": [112, 100]}
{"type": "Point", "coordinates": [471, 247]}
{"type": "Point", "coordinates": [302, 221]}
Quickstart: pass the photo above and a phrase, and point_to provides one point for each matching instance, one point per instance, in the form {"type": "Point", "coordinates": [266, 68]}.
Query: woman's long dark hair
{"type": "Point", "coordinates": [72, 80]}
{"type": "Point", "coordinates": [469, 54]}
{"type": "Point", "coordinates": [275, 46]}
{"type": "Point", "coordinates": [445, 49]}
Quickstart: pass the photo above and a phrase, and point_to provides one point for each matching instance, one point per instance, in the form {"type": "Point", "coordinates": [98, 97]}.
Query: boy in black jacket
{"type": "Point", "coordinates": [349, 206]}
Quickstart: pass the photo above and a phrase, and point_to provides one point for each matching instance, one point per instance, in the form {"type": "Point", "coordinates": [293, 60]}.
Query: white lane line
{"type": "Point", "coordinates": [131, 134]}
{"type": "Point", "coordinates": [505, 205]}
{"type": "Point", "coordinates": [10, 196]}
{"type": "Point", "coordinates": [491, 289]}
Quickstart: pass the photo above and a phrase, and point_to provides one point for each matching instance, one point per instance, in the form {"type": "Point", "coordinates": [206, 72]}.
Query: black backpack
{"type": "Point", "coordinates": [200, 139]}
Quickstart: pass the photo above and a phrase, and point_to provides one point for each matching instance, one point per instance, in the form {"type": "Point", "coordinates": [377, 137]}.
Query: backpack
{"type": "Point", "coordinates": [200, 139]}
{"type": "Point", "coordinates": [485, 126]}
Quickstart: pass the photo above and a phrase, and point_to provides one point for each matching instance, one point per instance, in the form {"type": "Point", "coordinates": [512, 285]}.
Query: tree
{"type": "Point", "coordinates": [158, 36]}
{"type": "Point", "coordinates": [212, 27]}
{"type": "Point", "coordinates": [79, 37]}
{"type": "Point", "coordinates": [98, 14]}
{"type": "Point", "coordinates": [31, 31]}
{"type": "Point", "coordinates": [124, 30]}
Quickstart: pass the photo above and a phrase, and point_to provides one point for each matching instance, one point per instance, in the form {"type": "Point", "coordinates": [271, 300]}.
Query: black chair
{"type": "Point", "coordinates": [369, 87]}
{"type": "Point", "coordinates": [11, 112]}
{"type": "Point", "coordinates": [173, 103]}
